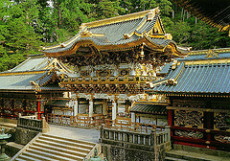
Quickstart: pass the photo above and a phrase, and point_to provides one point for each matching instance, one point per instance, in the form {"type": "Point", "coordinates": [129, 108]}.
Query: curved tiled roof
{"type": "Point", "coordinates": [117, 33]}
{"type": "Point", "coordinates": [149, 109]}
{"type": "Point", "coordinates": [30, 75]}
{"type": "Point", "coordinates": [213, 78]}
{"type": "Point", "coordinates": [197, 74]}
{"type": "Point", "coordinates": [30, 64]}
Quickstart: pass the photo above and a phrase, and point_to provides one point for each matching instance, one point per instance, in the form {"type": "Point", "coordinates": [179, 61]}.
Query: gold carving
{"type": "Point", "coordinates": [172, 82]}
{"type": "Point", "coordinates": [211, 53]}
{"type": "Point", "coordinates": [86, 33]}
{"type": "Point", "coordinates": [207, 130]}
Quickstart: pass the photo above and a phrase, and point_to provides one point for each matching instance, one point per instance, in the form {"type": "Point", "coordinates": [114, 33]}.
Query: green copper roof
{"type": "Point", "coordinates": [32, 74]}
{"type": "Point", "coordinates": [19, 82]}
{"type": "Point", "coordinates": [149, 109]}
{"type": "Point", "coordinates": [204, 78]}
{"type": "Point", "coordinates": [113, 34]}
{"type": "Point", "coordinates": [31, 63]}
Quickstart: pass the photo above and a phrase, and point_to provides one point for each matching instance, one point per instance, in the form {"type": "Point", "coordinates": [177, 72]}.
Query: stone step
{"type": "Point", "coordinates": [66, 142]}
{"type": "Point", "coordinates": [174, 159]}
{"type": "Point", "coordinates": [65, 152]}
{"type": "Point", "coordinates": [69, 139]}
{"type": "Point", "coordinates": [55, 148]}
{"type": "Point", "coordinates": [54, 144]}
{"type": "Point", "coordinates": [47, 155]}
{"type": "Point", "coordinates": [21, 160]}
{"type": "Point", "coordinates": [36, 156]}
{"type": "Point", "coordinates": [66, 149]}
{"type": "Point", "coordinates": [55, 155]}
{"type": "Point", "coordinates": [27, 158]}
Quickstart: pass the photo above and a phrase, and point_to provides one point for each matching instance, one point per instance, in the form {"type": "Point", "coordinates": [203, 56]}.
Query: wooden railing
{"type": "Point", "coordinates": [32, 123]}
{"type": "Point", "coordinates": [81, 120]}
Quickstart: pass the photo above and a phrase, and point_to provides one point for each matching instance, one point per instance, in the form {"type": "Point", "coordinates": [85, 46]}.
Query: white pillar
{"type": "Point", "coordinates": [133, 118]}
{"type": "Point", "coordinates": [75, 107]}
{"type": "Point", "coordinates": [104, 107]}
{"type": "Point", "coordinates": [90, 107]}
{"type": "Point", "coordinates": [114, 110]}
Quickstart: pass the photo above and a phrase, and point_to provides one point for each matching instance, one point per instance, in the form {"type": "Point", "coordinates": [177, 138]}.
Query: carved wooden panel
{"type": "Point", "coordinates": [222, 121]}
{"type": "Point", "coordinates": [222, 138]}
{"type": "Point", "coordinates": [188, 118]}
{"type": "Point", "coordinates": [189, 134]}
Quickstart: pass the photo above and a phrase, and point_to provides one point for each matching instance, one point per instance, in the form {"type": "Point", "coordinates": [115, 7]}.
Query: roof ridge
{"type": "Point", "coordinates": [206, 51]}
{"type": "Point", "coordinates": [19, 65]}
{"type": "Point", "coordinates": [121, 18]}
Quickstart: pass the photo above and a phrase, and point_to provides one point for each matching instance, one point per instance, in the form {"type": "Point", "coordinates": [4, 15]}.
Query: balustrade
{"type": "Point", "coordinates": [137, 138]}
{"type": "Point", "coordinates": [82, 120]}
{"type": "Point", "coordinates": [32, 123]}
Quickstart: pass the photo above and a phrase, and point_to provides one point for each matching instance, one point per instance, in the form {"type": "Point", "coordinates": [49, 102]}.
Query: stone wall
{"type": "Point", "coordinates": [23, 136]}
{"type": "Point", "coordinates": [118, 153]}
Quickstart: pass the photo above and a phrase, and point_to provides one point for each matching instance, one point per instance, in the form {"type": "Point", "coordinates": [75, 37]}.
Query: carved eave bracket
{"type": "Point", "coordinates": [36, 86]}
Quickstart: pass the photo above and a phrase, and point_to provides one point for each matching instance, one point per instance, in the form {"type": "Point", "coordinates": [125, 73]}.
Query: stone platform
{"type": "Point", "coordinates": [91, 135]}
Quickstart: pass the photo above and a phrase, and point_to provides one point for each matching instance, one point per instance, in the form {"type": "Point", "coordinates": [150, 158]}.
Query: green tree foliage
{"type": "Point", "coordinates": [17, 34]}
{"type": "Point", "coordinates": [25, 25]}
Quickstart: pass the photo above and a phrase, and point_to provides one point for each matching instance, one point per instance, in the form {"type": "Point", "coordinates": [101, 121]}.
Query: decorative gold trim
{"type": "Point", "coordinates": [22, 73]}
{"type": "Point", "coordinates": [201, 52]}
{"type": "Point", "coordinates": [109, 47]}
{"type": "Point", "coordinates": [225, 28]}
{"type": "Point", "coordinates": [215, 61]}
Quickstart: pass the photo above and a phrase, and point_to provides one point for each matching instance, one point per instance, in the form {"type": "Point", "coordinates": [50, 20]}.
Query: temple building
{"type": "Point", "coordinates": [113, 61]}
{"type": "Point", "coordinates": [197, 90]}
{"type": "Point", "coordinates": [29, 86]}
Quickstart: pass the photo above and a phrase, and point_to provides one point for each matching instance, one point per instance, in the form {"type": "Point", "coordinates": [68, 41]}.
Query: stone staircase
{"type": "Point", "coordinates": [49, 147]}
{"type": "Point", "coordinates": [180, 155]}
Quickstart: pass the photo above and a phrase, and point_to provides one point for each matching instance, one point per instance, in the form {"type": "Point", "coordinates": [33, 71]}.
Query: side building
{"type": "Point", "coordinates": [197, 89]}
{"type": "Point", "coordinates": [28, 87]}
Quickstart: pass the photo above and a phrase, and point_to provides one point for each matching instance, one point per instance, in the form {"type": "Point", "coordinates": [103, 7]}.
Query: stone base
{"type": "Point", "coordinates": [12, 148]}
{"type": "Point", "coordinates": [201, 150]}
{"type": "Point", "coordinates": [24, 136]}
{"type": "Point", "coordinates": [114, 153]}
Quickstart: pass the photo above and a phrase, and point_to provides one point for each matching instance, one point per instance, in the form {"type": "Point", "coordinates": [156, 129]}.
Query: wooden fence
{"type": "Point", "coordinates": [83, 120]}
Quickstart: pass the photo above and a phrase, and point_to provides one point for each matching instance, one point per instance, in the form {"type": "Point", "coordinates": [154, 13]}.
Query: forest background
{"type": "Point", "coordinates": [26, 25]}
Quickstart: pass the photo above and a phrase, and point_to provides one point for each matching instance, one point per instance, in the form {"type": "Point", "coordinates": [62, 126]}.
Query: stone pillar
{"type": "Point", "coordinates": [114, 111]}
{"type": "Point", "coordinates": [75, 107]}
{"type": "Point", "coordinates": [90, 107]}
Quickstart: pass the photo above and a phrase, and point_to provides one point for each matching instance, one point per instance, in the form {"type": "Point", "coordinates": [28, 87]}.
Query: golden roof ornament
{"type": "Point", "coordinates": [211, 53]}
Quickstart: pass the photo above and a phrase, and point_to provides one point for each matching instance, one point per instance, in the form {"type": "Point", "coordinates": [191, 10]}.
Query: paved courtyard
{"type": "Point", "coordinates": [91, 135]}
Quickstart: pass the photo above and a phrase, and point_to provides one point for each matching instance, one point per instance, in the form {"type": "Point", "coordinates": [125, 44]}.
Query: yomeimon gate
{"type": "Point", "coordinates": [113, 60]}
